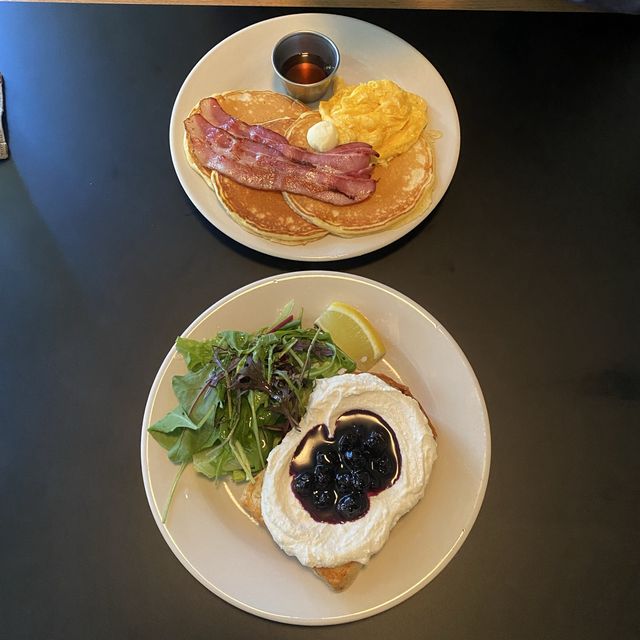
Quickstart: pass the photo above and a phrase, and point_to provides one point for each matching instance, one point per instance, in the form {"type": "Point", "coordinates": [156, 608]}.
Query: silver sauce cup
{"type": "Point", "coordinates": [306, 43]}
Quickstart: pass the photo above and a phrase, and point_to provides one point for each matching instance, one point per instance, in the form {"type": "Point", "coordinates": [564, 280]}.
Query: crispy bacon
{"type": "Point", "coordinates": [261, 166]}
{"type": "Point", "coordinates": [347, 158]}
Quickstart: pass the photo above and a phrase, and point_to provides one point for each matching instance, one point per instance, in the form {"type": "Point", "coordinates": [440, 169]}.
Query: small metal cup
{"type": "Point", "coordinates": [309, 42]}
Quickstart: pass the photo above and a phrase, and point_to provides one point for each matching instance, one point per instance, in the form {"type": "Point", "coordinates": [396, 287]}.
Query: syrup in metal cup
{"type": "Point", "coordinates": [306, 63]}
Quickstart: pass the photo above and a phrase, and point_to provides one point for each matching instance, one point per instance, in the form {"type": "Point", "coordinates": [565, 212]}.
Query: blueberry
{"type": "Point", "coordinates": [375, 443]}
{"type": "Point", "coordinates": [303, 483]}
{"type": "Point", "coordinates": [322, 499]}
{"type": "Point", "coordinates": [322, 475]}
{"type": "Point", "coordinates": [352, 505]}
{"type": "Point", "coordinates": [327, 456]}
{"type": "Point", "coordinates": [344, 481]}
{"type": "Point", "coordinates": [384, 465]}
{"type": "Point", "coordinates": [361, 479]}
{"type": "Point", "coordinates": [348, 441]}
{"type": "Point", "coordinates": [355, 459]}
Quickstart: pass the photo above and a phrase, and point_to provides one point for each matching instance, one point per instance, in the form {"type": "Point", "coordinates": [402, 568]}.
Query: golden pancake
{"type": "Point", "coordinates": [264, 213]}
{"type": "Point", "coordinates": [403, 190]}
{"type": "Point", "coordinates": [255, 107]}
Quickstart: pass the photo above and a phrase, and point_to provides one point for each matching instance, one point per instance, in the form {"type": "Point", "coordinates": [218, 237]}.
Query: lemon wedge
{"type": "Point", "coordinates": [353, 333]}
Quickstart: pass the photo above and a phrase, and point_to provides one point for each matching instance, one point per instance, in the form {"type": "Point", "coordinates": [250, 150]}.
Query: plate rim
{"type": "Point", "coordinates": [283, 251]}
{"type": "Point", "coordinates": [398, 598]}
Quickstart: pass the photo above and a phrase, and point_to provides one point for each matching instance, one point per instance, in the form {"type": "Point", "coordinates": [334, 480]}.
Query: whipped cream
{"type": "Point", "coordinates": [320, 544]}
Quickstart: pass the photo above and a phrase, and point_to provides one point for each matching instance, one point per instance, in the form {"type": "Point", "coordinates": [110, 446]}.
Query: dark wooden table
{"type": "Point", "coordinates": [530, 261]}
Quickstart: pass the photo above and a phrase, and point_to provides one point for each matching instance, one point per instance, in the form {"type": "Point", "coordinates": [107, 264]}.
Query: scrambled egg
{"type": "Point", "coordinates": [379, 112]}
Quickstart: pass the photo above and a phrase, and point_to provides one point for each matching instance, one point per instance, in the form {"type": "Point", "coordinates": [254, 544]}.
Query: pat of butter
{"type": "Point", "coordinates": [322, 136]}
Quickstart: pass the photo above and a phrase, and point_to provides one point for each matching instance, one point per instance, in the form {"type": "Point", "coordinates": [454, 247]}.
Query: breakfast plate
{"type": "Point", "coordinates": [222, 547]}
{"type": "Point", "coordinates": [368, 52]}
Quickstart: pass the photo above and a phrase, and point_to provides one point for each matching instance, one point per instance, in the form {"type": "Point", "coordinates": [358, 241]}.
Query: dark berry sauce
{"type": "Point", "coordinates": [333, 478]}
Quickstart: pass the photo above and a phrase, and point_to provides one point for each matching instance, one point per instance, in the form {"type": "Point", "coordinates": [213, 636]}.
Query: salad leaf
{"type": "Point", "coordinates": [196, 353]}
{"type": "Point", "coordinates": [242, 392]}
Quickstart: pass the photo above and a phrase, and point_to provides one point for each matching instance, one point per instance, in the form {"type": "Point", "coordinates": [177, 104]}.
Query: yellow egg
{"type": "Point", "coordinates": [379, 112]}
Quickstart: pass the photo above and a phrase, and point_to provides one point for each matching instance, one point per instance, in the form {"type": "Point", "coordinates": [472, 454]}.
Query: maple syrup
{"type": "Point", "coordinates": [304, 68]}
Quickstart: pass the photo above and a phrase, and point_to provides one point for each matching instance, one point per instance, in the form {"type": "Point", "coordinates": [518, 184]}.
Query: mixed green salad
{"type": "Point", "coordinates": [242, 393]}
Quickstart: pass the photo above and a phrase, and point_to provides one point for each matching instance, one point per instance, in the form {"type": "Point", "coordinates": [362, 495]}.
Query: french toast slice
{"type": "Point", "coordinates": [338, 578]}
{"type": "Point", "coordinates": [342, 576]}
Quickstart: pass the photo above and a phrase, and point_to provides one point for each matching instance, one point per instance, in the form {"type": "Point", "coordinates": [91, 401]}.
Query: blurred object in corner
{"type": "Point", "coordinates": [4, 147]}
{"type": "Point", "coordinates": [618, 6]}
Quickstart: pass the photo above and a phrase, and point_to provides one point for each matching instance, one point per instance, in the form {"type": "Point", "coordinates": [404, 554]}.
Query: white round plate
{"type": "Point", "coordinates": [243, 61]}
{"type": "Point", "coordinates": [235, 558]}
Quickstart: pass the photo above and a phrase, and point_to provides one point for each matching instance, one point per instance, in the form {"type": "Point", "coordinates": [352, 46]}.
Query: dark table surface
{"type": "Point", "coordinates": [530, 261]}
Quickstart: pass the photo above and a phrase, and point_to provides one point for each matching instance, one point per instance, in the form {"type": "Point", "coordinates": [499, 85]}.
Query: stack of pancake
{"type": "Point", "coordinates": [403, 186]}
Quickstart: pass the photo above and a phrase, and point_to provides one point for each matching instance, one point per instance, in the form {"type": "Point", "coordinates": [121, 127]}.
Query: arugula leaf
{"type": "Point", "coordinates": [190, 442]}
{"type": "Point", "coordinates": [196, 353]}
{"type": "Point", "coordinates": [177, 433]}
{"type": "Point", "coordinates": [199, 394]}
{"type": "Point", "coordinates": [176, 419]}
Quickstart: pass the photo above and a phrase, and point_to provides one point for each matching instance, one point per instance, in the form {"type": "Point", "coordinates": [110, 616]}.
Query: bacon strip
{"type": "Point", "coordinates": [347, 158]}
{"type": "Point", "coordinates": [261, 167]}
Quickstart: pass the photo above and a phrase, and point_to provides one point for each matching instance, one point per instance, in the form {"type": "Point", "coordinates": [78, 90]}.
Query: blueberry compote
{"type": "Point", "coordinates": [333, 478]}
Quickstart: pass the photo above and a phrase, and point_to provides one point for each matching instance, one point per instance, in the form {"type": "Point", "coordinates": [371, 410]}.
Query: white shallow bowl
{"type": "Point", "coordinates": [227, 552]}
{"type": "Point", "coordinates": [368, 52]}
